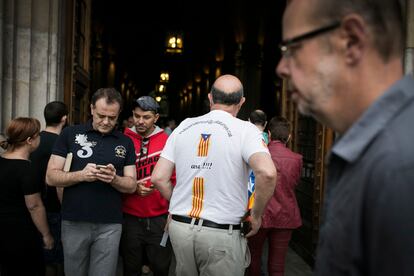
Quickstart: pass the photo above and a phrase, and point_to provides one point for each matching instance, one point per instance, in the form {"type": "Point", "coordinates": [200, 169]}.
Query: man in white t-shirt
{"type": "Point", "coordinates": [211, 155]}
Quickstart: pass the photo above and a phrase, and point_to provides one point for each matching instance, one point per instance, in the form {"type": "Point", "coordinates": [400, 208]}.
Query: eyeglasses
{"type": "Point", "coordinates": [287, 45]}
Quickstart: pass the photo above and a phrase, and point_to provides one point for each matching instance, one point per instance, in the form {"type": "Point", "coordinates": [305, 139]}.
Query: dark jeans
{"type": "Point", "coordinates": [278, 240]}
{"type": "Point", "coordinates": [139, 234]}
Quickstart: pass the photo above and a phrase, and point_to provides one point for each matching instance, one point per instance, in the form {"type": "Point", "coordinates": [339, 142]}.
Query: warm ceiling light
{"type": "Point", "coordinates": [161, 88]}
{"type": "Point", "coordinates": [158, 98]}
{"type": "Point", "coordinates": [164, 77]}
{"type": "Point", "coordinates": [174, 44]}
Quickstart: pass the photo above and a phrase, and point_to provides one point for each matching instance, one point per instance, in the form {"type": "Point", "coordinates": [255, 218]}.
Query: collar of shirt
{"type": "Point", "coordinates": [89, 128]}
{"type": "Point", "coordinates": [353, 143]}
{"type": "Point", "coordinates": [220, 111]}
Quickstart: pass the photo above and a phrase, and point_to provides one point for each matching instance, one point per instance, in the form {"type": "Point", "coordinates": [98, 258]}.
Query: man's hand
{"type": "Point", "coordinates": [106, 174]}
{"type": "Point", "coordinates": [255, 224]}
{"type": "Point", "coordinates": [142, 190]}
{"type": "Point", "coordinates": [89, 173]}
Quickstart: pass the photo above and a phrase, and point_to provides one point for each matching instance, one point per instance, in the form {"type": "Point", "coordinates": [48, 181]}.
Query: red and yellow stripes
{"type": "Point", "coordinates": [251, 201]}
{"type": "Point", "coordinates": [203, 145]}
{"type": "Point", "coordinates": [198, 197]}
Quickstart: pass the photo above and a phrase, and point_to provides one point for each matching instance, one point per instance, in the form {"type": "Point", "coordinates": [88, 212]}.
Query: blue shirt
{"type": "Point", "coordinates": [368, 219]}
{"type": "Point", "coordinates": [96, 202]}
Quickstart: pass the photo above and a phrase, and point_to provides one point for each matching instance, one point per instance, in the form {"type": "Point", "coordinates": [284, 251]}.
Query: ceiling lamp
{"type": "Point", "coordinates": [164, 77]}
{"type": "Point", "coordinates": [174, 43]}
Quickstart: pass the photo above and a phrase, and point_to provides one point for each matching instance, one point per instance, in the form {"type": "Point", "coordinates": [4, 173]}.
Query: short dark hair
{"type": "Point", "coordinates": [110, 94]}
{"type": "Point", "coordinates": [279, 128]}
{"type": "Point", "coordinates": [53, 112]}
{"type": "Point", "coordinates": [221, 97]}
{"type": "Point", "coordinates": [385, 18]}
{"type": "Point", "coordinates": [258, 117]}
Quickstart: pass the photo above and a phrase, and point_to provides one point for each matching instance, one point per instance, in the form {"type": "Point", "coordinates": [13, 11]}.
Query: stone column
{"type": "Point", "coordinates": [30, 50]}
{"type": "Point", "coordinates": [1, 56]}
{"type": "Point", "coordinates": [7, 33]}
{"type": "Point", "coordinates": [409, 47]}
{"type": "Point", "coordinates": [21, 56]}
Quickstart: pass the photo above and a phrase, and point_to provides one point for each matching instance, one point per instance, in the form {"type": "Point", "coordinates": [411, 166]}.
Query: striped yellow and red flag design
{"type": "Point", "coordinates": [198, 197]}
{"type": "Point", "coordinates": [204, 145]}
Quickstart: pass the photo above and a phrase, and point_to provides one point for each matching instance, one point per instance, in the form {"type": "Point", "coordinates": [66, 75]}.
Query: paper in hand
{"type": "Point", "coordinates": [68, 162]}
{"type": "Point", "coordinates": [164, 239]}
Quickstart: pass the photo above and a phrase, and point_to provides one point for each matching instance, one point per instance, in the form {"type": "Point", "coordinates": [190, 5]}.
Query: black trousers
{"type": "Point", "coordinates": [144, 234]}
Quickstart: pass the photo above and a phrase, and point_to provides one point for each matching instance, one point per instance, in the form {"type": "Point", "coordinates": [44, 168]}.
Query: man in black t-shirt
{"type": "Point", "coordinates": [102, 167]}
{"type": "Point", "coordinates": [55, 114]}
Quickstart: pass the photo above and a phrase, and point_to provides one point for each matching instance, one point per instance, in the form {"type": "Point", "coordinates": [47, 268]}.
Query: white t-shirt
{"type": "Point", "coordinates": [211, 154]}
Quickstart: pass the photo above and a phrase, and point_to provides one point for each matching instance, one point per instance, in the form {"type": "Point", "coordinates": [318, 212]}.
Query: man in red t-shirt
{"type": "Point", "coordinates": [145, 211]}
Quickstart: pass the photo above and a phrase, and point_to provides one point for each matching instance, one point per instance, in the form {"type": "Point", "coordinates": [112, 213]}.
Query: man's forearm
{"type": "Point", "coordinates": [264, 188]}
{"type": "Point", "coordinates": [59, 178]}
{"type": "Point", "coordinates": [165, 189]}
{"type": "Point", "coordinates": [161, 177]}
{"type": "Point", "coordinates": [124, 184]}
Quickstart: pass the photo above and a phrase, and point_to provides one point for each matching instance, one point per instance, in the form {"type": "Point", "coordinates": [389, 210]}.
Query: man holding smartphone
{"type": "Point", "coordinates": [145, 211]}
{"type": "Point", "coordinates": [101, 170]}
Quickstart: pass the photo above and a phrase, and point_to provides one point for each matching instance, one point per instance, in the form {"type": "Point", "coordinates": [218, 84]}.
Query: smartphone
{"type": "Point", "coordinates": [246, 227]}
{"type": "Point", "coordinates": [101, 167]}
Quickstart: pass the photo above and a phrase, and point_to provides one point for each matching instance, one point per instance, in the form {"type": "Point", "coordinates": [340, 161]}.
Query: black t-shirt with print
{"type": "Point", "coordinates": [96, 202]}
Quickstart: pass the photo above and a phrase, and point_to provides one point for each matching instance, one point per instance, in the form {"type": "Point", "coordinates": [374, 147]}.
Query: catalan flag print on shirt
{"type": "Point", "coordinates": [204, 145]}
{"type": "Point", "coordinates": [198, 197]}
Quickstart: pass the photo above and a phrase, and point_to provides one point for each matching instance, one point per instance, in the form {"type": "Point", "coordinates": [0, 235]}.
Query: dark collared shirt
{"type": "Point", "coordinates": [95, 202]}
{"type": "Point", "coordinates": [368, 220]}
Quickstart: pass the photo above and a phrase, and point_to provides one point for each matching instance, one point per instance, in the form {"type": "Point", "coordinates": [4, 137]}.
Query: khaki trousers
{"type": "Point", "coordinates": [208, 251]}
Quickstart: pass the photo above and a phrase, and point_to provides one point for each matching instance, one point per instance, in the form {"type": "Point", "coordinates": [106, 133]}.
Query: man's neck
{"type": "Point", "coordinates": [227, 108]}
{"type": "Point", "coordinates": [54, 129]}
{"type": "Point", "coordinates": [260, 127]}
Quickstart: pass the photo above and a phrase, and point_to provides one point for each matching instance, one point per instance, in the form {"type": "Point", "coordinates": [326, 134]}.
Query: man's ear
{"type": "Point", "coordinates": [64, 119]}
{"type": "Point", "coordinates": [157, 116]}
{"type": "Point", "coordinates": [210, 99]}
{"type": "Point", "coordinates": [92, 108]}
{"type": "Point", "coordinates": [242, 100]}
{"type": "Point", "coordinates": [355, 34]}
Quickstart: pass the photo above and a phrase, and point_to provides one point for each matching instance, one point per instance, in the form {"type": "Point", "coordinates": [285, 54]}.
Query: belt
{"type": "Point", "coordinates": [206, 223]}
